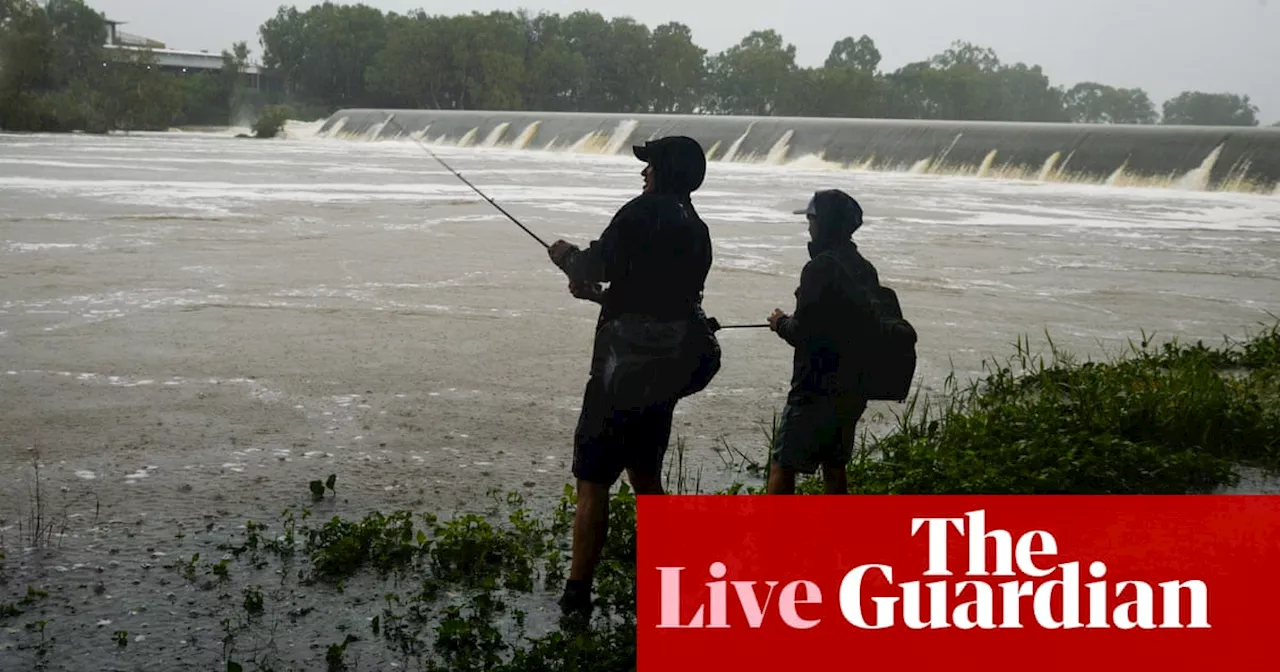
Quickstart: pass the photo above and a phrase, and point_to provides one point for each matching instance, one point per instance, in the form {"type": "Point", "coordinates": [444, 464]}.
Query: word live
{"type": "Point", "coordinates": [979, 610]}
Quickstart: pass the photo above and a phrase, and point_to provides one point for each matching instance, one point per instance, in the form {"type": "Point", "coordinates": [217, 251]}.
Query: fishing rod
{"type": "Point", "coordinates": [468, 183]}
{"type": "Point", "coordinates": [716, 326]}
{"type": "Point", "coordinates": [714, 323]}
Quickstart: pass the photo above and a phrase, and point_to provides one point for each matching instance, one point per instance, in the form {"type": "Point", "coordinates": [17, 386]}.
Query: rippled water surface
{"type": "Point", "coordinates": [184, 288]}
{"type": "Point", "coordinates": [193, 326]}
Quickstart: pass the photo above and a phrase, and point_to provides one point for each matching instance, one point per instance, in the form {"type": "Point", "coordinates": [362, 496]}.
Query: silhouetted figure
{"type": "Point", "coordinates": [653, 345]}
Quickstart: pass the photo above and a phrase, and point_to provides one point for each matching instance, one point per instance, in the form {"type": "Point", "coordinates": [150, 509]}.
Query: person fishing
{"type": "Point", "coordinates": [841, 356]}
{"type": "Point", "coordinates": [653, 344]}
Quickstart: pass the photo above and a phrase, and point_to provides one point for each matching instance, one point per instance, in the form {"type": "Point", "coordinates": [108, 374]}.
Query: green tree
{"type": "Point", "coordinates": [135, 95]}
{"type": "Point", "coordinates": [55, 73]}
{"type": "Point", "coordinates": [1024, 93]}
{"type": "Point", "coordinates": [324, 52]}
{"type": "Point", "coordinates": [965, 82]}
{"type": "Point", "coordinates": [679, 70]}
{"type": "Point", "coordinates": [204, 102]}
{"type": "Point", "coordinates": [46, 51]}
{"type": "Point", "coordinates": [282, 38]}
{"type": "Point", "coordinates": [850, 54]}
{"type": "Point", "coordinates": [962, 82]}
{"type": "Point", "coordinates": [1194, 108]}
{"type": "Point", "coordinates": [962, 54]}
{"type": "Point", "coordinates": [558, 71]}
{"type": "Point", "coordinates": [79, 34]}
{"type": "Point", "coordinates": [1094, 103]}
{"type": "Point", "coordinates": [500, 42]}
{"type": "Point", "coordinates": [755, 76]}
{"type": "Point", "coordinates": [847, 84]}
{"type": "Point", "coordinates": [618, 62]}
{"type": "Point", "coordinates": [407, 72]}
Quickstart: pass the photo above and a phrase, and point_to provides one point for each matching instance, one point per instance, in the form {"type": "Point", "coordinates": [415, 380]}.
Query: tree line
{"type": "Point", "coordinates": [54, 74]}
{"type": "Point", "coordinates": [355, 55]}
{"type": "Point", "coordinates": [57, 75]}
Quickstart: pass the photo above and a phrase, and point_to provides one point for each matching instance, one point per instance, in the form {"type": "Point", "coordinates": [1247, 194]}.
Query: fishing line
{"type": "Point", "coordinates": [468, 183]}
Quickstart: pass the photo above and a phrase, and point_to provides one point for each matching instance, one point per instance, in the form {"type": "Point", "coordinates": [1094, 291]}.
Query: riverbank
{"type": "Point", "coordinates": [325, 586]}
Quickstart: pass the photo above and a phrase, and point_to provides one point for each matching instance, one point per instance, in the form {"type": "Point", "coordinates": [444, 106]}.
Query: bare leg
{"type": "Point", "coordinates": [590, 529]}
{"type": "Point", "coordinates": [645, 484]}
{"type": "Point", "coordinates": [835, 478]}
{"type": "Point", "coordinates": [781, 481]}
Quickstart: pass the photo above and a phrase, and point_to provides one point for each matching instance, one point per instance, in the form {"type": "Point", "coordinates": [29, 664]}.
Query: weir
{"type": "Point", "coordinates": [1244, 159]}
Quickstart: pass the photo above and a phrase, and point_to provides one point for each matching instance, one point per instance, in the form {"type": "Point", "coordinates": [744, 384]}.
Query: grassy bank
{"type": "Point", "coordinates": [314, 590]}
{"type": "Point", "coordinates": [1166, 419]}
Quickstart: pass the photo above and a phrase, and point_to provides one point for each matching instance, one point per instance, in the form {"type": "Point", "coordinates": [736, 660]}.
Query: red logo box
{"type": "Point", "coordinates": [1057, 582]}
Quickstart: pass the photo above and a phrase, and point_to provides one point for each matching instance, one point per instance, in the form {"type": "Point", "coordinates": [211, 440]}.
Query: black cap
{"type": "Point", "coordinates": [680, 162]}
{"type": "Point", "coordinates": [832, 206]}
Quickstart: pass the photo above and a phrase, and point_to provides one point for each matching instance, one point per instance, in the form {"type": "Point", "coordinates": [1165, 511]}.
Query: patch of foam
{"type": "Point", "coordinates": [37, 247]}
{"type": "Point", "coordinates": [75, 164]}
{"type": "Point", "coordinates": [140, 474]}
{"type": "Point", "coordinates": [212, 195]}
{"type": "Point", "coordinates": [85, 474]}
{"type": "Point", "coordinates": [753, 263]}
{"type": "Point", "coordinates": [1203, 220]}
{"type": "Point", "coordinates": [343, 400]}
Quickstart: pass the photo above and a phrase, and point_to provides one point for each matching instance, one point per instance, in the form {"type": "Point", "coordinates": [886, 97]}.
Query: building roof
{"type": "Point", "coordinates": [121, 37]}
{"type": "Point", "coordinates": [186, 59]}
{"type": "Point", "coordinates": [138, 40]}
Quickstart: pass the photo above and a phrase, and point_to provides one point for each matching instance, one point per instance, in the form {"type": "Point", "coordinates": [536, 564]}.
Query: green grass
{"type": "Point", "coordinates": [1171, 419]}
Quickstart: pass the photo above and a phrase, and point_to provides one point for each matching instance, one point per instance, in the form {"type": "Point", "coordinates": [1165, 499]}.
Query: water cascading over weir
{"type": "Point", "coordinates": [1242, 159]}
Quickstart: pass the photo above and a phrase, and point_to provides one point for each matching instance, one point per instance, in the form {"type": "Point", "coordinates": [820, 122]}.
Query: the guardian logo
{"type": "Point", "coordinates": [976, 600]}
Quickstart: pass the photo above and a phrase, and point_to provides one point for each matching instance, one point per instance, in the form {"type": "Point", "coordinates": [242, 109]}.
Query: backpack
{"type": "Point", "coordinates": [886, 351]}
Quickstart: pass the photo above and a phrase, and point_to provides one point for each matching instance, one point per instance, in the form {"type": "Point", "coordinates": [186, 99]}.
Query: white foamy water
{"type": "Point", "coordinates": [355, 296]}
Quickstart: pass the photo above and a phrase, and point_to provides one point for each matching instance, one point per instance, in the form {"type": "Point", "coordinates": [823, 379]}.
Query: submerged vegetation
{"type": "Point", "coordinates": [271, 121]}
{"type": "Point", "coordinates": [476, 591]}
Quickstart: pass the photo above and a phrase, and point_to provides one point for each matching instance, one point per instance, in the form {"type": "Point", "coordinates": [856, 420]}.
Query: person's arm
{"type": "Point", "coordinates": [798, 328]}
{"type": "Point", "coordinates": [603, 260]}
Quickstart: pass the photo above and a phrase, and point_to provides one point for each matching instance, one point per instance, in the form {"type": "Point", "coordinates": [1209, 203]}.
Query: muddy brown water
{"type": "Point", "coordinates": [192, 327]}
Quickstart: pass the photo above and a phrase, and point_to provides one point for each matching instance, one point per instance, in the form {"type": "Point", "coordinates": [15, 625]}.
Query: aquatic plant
{"type": "Point", "coordinates": [271, 121]}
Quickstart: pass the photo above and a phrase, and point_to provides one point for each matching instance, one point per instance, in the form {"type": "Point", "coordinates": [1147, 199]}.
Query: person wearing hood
{"type": "Point", "coordinates": [655, 255]}
{"type": "Point", "coordinates": [834, 312]}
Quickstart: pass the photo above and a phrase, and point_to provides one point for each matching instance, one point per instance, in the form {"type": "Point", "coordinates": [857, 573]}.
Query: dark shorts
{"type": "Point", "coordinates": [608, 441]}
{"type": "Point", "coordinates": [817, 430]}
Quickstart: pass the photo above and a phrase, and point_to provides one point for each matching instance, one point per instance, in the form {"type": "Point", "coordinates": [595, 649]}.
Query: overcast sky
{"type": "Point", "coordinates": [1163, 46]}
